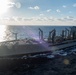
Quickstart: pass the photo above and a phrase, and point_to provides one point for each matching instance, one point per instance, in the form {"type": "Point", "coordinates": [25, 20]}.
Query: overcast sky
{"type": "Point", "coordinates": [38, 12]}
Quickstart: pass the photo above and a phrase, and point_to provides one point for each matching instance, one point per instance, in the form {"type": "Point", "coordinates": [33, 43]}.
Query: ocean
{"type": "Point", "coordinates": [8, 32]}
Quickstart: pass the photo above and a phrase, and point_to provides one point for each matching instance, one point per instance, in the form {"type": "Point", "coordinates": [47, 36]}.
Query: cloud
{"type": "Point", "coordinates": [52, 18]}
{"type": "Point", "coordinates": [38, 20]}
{"type": "Point", "coordinates": [11, 4]}
{"type": "Point", "coordinates": [74, 5]}
{"type": "Point", "coordinates": [49, 10]}
{"type": "Point", "coordinates": [58, 11]}
{"type": "Point", "coordinates": [18, 18]}
{"type": "Point", "coordinates": [27, 19]}
{"type": "Point", "coordinates": [41, 15]}
{"type": "Point", "coordinates": [35, 8]}
{"type": "Point", "coordinates": [64, 6]}
{"type": "Point", "coordinates": [70, 17]}
{"type": "Point", "coordinates": [66, 19]}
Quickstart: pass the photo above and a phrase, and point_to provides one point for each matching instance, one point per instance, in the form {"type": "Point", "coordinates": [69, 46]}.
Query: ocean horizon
{"type": "Point", "coordinates": [8, 31]}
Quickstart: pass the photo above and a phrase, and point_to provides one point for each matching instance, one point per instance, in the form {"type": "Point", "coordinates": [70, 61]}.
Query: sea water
{"type": "Point", "coordinates": [9, 32]}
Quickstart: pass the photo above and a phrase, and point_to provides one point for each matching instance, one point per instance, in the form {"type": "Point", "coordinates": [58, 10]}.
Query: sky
{"type": "Point", "coordinates": [38, 12]}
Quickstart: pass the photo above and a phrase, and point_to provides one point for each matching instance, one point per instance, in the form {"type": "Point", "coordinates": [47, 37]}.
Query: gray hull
{"type": "Point", "coordinates": [32, 48]}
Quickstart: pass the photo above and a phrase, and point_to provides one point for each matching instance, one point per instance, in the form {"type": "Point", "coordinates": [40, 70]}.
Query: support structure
{"type": "Point", "coordinates": [63, 34]}
{"type": "Point", "coordinates": [67, 32]}
{"type": "Point", "coordinates": [40, 34]}
{"type": "Point", "coordinates": [15, 35]}
{"type": "Point", "coordinates": [52, 35]}
{"type": "Point", "coordinates": [73, 32]}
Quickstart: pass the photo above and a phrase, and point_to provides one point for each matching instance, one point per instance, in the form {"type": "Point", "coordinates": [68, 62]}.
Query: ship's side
{"type": "Point", "coordinates": [22, 49]}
